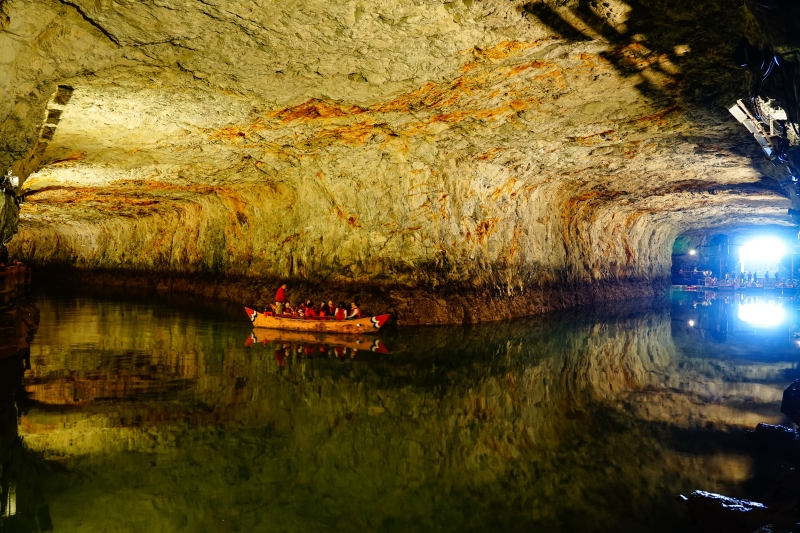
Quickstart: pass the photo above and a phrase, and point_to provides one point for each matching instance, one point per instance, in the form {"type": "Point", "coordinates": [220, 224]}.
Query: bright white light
{"type": "Point", "coordinates": [691, 323]}
{"type": "Point", "coordinates": [692, 252]}
{"type": "Point", "coordinates": [761, 314]}
{"type": "Point", "coordinates": [765, 249]}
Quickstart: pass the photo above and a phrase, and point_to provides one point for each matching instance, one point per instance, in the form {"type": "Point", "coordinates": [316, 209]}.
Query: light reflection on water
{"type": "Point", "coordinates": [762, 314]}
{"type": "Point", "coordinates": [150, 416]}
{"type": "Point", "coordinates": [749, 325]}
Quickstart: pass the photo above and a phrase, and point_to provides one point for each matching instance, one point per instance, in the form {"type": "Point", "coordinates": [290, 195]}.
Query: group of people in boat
{"type": "Point", "coordinates": [324, 311]}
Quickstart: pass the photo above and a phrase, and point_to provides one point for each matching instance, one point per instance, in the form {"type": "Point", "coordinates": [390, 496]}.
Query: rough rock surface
{"type": "Point", "coordinates": [534, 154]}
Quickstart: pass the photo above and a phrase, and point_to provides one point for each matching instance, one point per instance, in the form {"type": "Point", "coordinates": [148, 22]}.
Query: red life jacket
{"type": "Point", "coordinates": [280, 296]}
{"type": "Point", "coordinates": [355, 313]}
{"type": "Point", "coordinates": [341, 314]}
{"type": "Point", "coordinates": [310, 313]}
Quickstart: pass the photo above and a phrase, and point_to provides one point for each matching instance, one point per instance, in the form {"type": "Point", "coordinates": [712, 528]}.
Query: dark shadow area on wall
{"type": "Point", "coordinates": [689, 44]}
{"type": "Point", "coordinates": [553, 20]}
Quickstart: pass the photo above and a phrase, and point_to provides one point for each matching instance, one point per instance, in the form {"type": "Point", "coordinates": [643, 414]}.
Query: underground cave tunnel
{"type": "Point", "coordinates": [561, 205]}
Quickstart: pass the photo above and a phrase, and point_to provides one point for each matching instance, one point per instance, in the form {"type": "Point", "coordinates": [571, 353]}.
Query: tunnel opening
{"type": "Point", "coordinates": [768, 252]}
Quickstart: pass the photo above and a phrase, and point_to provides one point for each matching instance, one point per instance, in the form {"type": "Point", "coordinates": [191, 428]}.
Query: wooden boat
{"type": "Point", "coordinates": [310, 338]}
{"type": "Point", "coordinates": [354, 327]}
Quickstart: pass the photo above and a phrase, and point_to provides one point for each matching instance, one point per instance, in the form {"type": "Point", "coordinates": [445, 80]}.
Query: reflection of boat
{"type": "Point", "coordinates": [362, 325]}
{"type": "Point", "coordinates": [312, 338]}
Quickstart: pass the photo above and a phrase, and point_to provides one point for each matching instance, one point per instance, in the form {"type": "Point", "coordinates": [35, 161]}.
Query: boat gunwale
{"type": "Point", "coordinates": [348, 327]}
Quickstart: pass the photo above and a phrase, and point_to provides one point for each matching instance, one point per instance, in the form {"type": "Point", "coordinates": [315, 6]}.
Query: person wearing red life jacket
{"type": "Point", "coordinates": [310, 312]}
{"type": "Point", "coordinates": [280, 295]}
{"type": "Point", "coordinates": [323, 311]}
{"type": "Point", "coordinates": [354, 313]}
{"type": "Point", "coordinates": [280, 300]}
{"type": "Point", "coordinates": [341, 312]}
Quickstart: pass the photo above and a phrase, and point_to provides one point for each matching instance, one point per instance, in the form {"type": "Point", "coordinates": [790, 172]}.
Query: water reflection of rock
{"type": "Point", "coordinates": [532, 423]}
{"type": "Point", "coordinates": [22, 506]}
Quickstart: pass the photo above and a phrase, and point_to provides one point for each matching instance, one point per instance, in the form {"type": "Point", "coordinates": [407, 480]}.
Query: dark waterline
{"type": "Point", "coordinates": [149, 413]}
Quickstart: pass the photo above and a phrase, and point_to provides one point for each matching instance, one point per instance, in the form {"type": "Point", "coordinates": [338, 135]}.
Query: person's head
{"type": "Point", "coordinates": [283, 286]}
{"type": "Point", "coordinates": [353, 305]}
{"type": "Point", "coordinates": [341, 305]}
{"type": "Point", "coordinates": [330, 303]}
{"type": "Point", "coordinates": [309, 303]}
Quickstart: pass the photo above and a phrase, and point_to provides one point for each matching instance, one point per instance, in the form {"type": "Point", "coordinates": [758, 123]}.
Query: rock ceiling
{"type": "Point", "coordinates": [484, 143]}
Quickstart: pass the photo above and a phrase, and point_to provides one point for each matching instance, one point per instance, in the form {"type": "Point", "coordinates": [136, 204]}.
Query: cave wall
{"type": "Point", "coordinates": [468, 151]}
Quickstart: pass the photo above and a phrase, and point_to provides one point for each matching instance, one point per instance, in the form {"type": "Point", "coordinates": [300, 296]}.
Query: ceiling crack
{"type": "Point", "coordinates": [92, 21]}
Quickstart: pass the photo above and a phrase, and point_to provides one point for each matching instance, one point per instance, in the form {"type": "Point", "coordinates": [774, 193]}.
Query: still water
{"type": "Point", "coordinates": [147, 413]}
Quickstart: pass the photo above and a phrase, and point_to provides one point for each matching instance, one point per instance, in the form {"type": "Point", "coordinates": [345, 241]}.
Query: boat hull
{"type": "Point", "coordinates": [311, 338]}
{"type": "Point", "coordinates": [351, 327]}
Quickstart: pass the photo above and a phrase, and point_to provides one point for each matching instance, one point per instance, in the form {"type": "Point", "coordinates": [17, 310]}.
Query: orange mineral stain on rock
{"type": "Point", "coordinates": [357, 133]}
{"type": "Point", "coordinates": [513, 71]}
{"type": "Point", "coordinates": [71, 158]}
{"type": "Point", "coordinates": [499, 52]}
{"type": "Point", "coordinates": [229, 133]}
{"type": "Point", "coordinates": [315, 109]}
{"type": "Point", "coordinates": [657, 118]}
{"type": "Point", "coordinates": [489, 154]}
{"type": "Point", "coordinates": [485, 228]}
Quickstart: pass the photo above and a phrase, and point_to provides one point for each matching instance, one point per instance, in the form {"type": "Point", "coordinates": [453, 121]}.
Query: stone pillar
{"type": "Point", "coordinates": [9, 217]}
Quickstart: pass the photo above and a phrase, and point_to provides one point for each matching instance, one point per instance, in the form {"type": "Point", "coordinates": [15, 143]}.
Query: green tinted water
{"type": "Point", "coordinates": [141, 415]}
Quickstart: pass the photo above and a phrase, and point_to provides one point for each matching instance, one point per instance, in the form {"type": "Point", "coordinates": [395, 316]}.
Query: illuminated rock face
{"type": "Point", "coordinates": [531, 155]}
